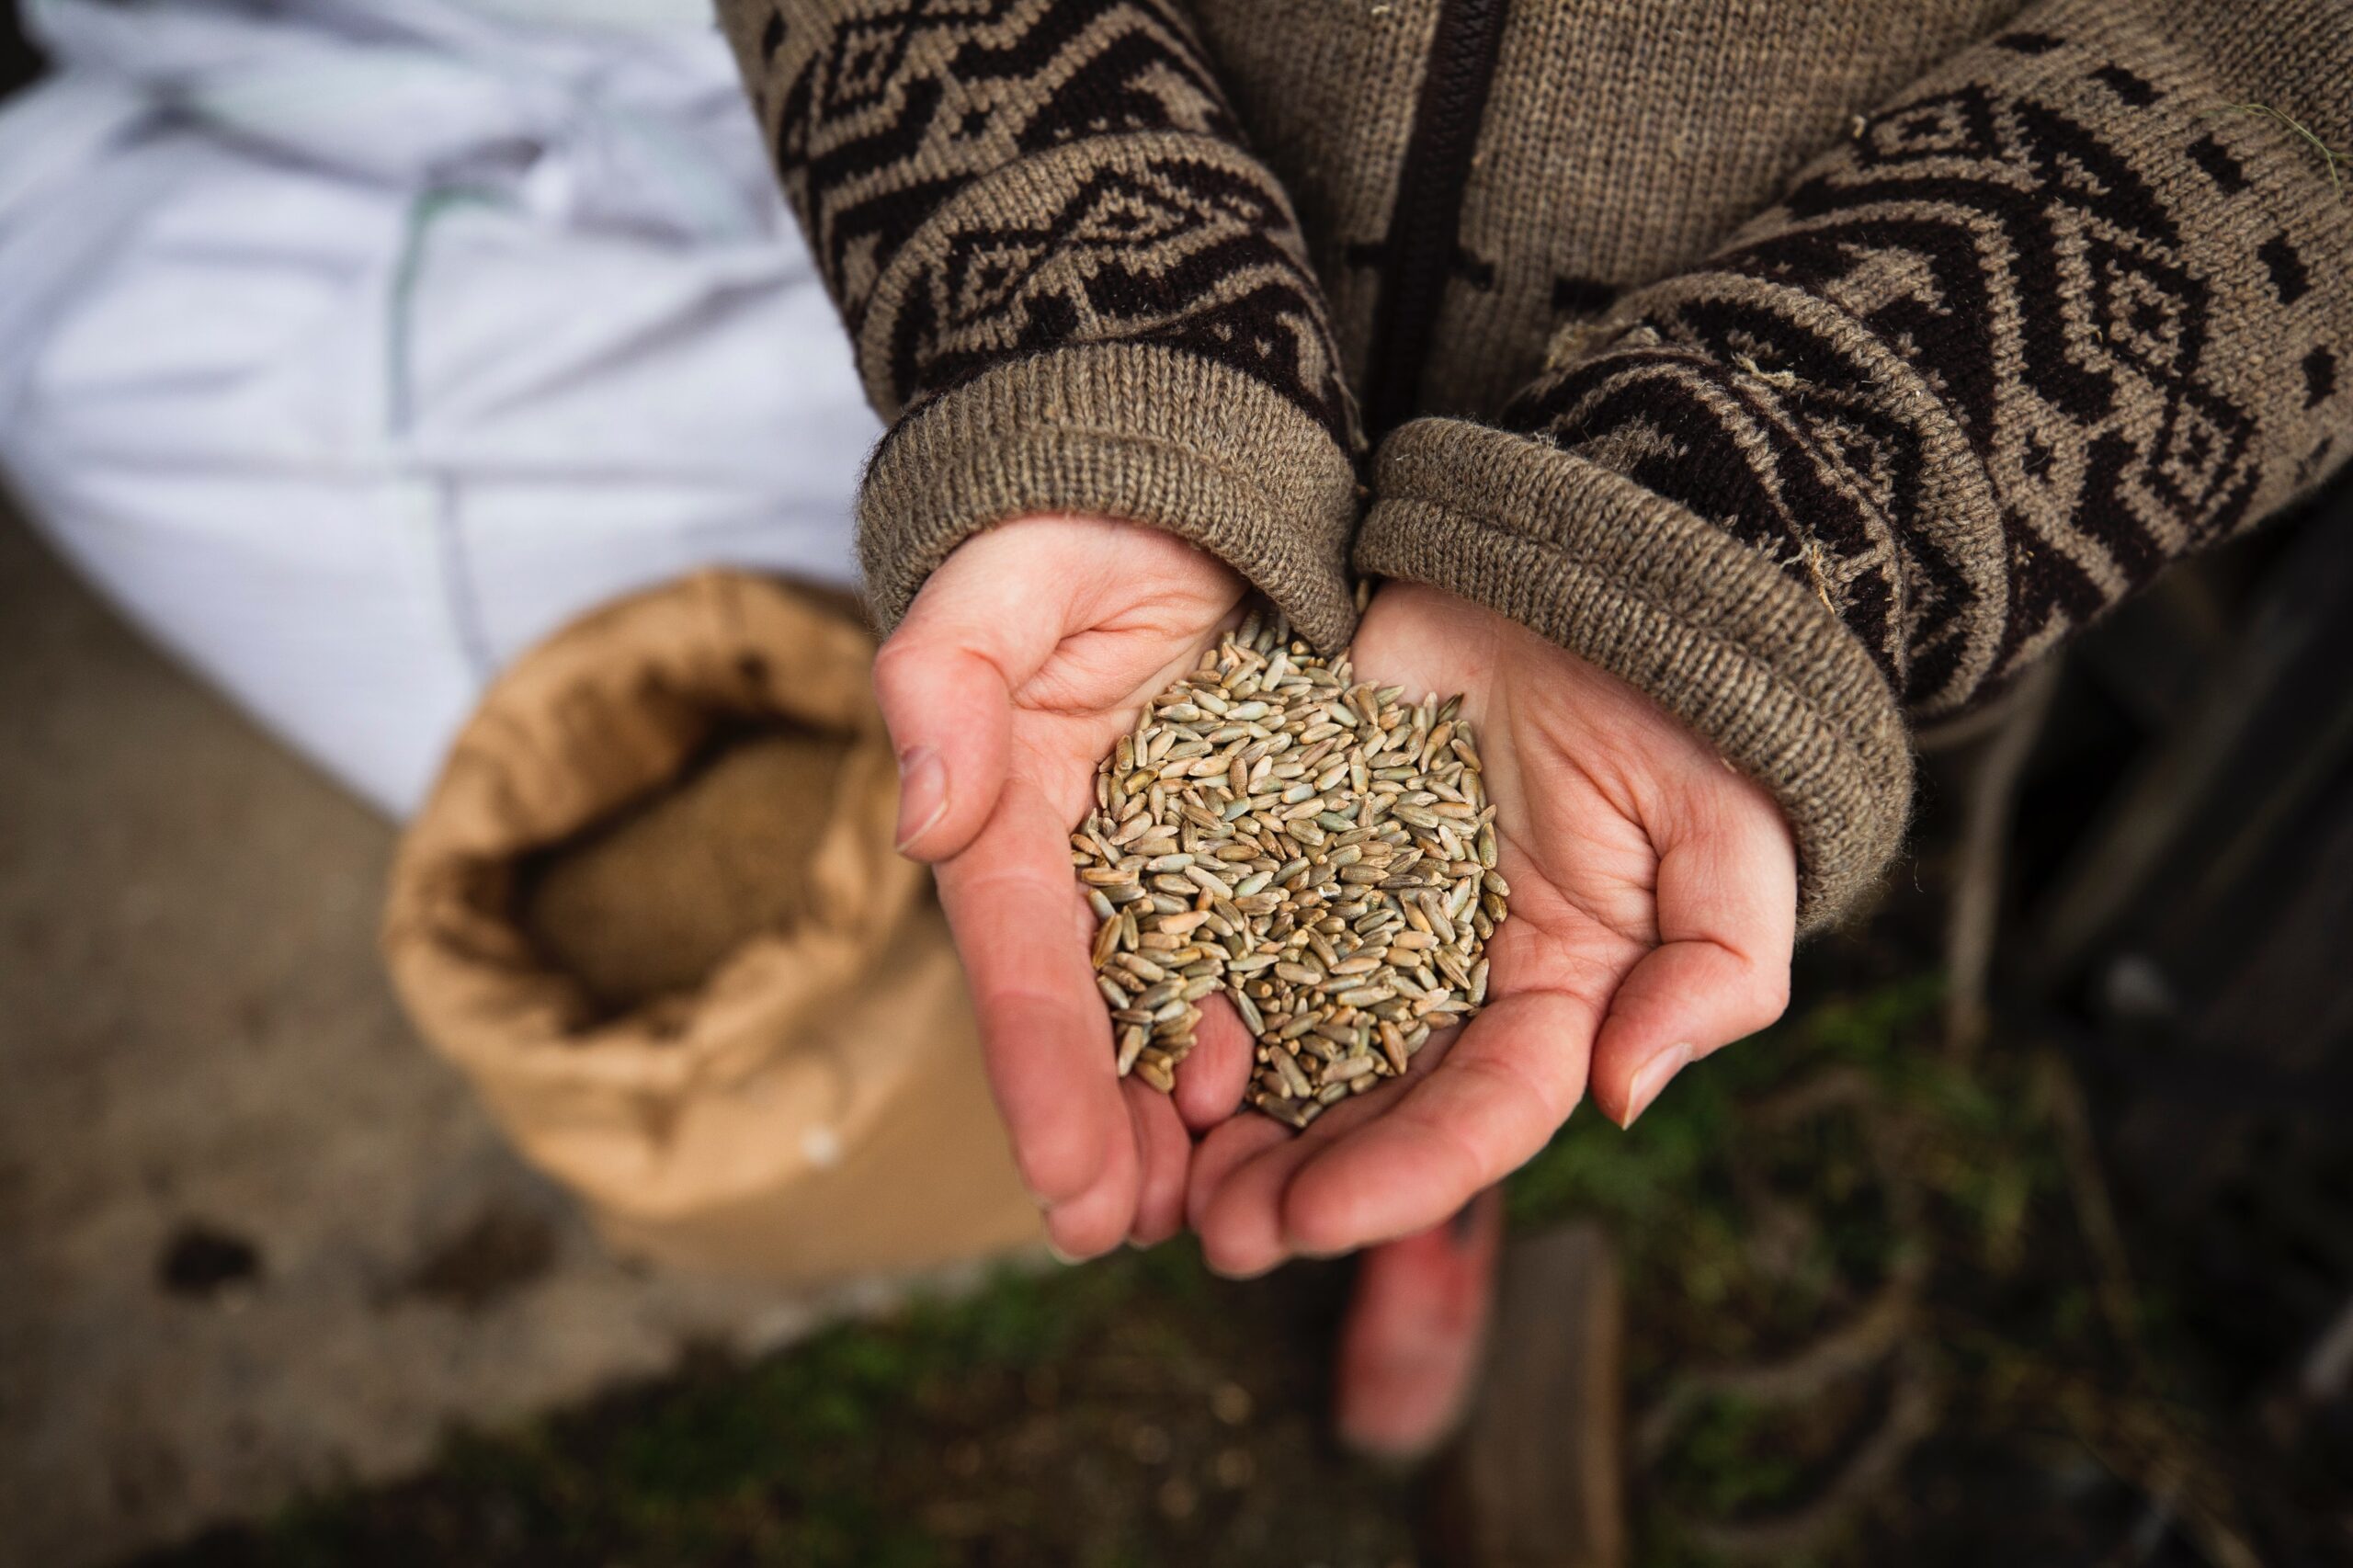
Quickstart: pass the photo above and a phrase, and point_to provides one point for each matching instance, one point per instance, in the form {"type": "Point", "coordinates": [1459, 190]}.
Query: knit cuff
{"type": "Point", "coordinates": [1139, 432]}
{"type": "Point", "coordinates": [1635, 584]}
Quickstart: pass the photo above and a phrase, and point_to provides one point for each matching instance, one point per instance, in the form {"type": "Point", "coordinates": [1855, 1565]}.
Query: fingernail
{"type": "Point", "coordinates": [1241, 1274]}
{"type": "Point", "coordinates": [923, 794]}
{"type": "Point", "coordinates": [1651, 1077]}
{"type": "Point", "coordinates": [1067, 1260]}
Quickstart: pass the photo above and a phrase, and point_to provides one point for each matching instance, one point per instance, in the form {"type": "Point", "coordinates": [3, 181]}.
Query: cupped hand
{"type": "Point", "coordinates": [1653, 897]}
{"type": "Point", "coordinates": [1023, 659]}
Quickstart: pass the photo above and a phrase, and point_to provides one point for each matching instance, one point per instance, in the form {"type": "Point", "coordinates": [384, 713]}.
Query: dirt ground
{"type": "Point", "coordinates": [253, 1237]}
{"type": "Point", "coordinates": [1130, 1413]}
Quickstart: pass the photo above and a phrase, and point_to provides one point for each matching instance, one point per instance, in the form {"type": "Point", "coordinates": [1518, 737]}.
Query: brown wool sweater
{"type": "Point", "coordinates": [1813, 365]}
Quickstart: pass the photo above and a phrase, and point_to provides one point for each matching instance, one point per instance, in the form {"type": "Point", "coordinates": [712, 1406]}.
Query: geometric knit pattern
{"type": "Point", "coordinates": [1970, 380]}
{"type": "Point", "coordinates": [2036, 297]}
{"type": "Point", "coordinates": [983, 180]}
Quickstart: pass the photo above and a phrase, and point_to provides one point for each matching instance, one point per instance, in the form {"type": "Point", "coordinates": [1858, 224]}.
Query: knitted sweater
{"type": "Point", "coordinates": [1814, 367]}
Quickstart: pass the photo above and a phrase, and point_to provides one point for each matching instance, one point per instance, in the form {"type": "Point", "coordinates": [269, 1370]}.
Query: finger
{"type": "Point", "coordinates": [1211, 1079]}
{"type": "Point", "coordinates": [1220, 1151]}
{"type": "Point", "coordinates": [950, 717]}
{"type": "Point", "coordinates": [1166, 1153]}
{"type": "Point", "coordinates": [1242, 1170]}
{"type": "Point", "coordinates": [1100, 1217]}
{"type": "Point", "coordinates": [1727, 917]}
{"type": "Point", "coordinates": [1505, 1088]}
{"type": "Point", "coordinates": [1044, 1033]}
{"type": "Point", "coordinates": [945, 682]}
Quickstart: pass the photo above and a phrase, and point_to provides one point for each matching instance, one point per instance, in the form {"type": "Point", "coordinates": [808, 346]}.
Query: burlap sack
{"type": "Point", "coordinates": [805, 1101]}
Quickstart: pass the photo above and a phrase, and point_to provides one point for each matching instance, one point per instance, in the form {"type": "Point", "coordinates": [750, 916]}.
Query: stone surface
{"type": "Point", "coordinates": [253, 1237]}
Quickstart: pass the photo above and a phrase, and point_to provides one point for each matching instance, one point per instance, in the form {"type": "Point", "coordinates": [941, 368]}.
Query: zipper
{"type": "Point", "coordinates": [1424, 224]}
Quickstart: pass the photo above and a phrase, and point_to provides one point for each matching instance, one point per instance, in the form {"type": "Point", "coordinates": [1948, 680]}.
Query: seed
{"type": "Point", "coordinates": [1142, 968]}
{"type": "Point", "coordinates": [1458, 902]}
{"type": "Point", "coordinates": [1208, 881]}
{"type": "Point", "coordinates": [1282, 1110]}
{"type": "Point", "coordinates": [1441, 926]}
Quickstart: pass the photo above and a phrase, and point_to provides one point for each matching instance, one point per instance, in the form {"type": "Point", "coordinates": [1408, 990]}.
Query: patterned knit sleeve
{"type": "Point", "coordinates": [1067, 283]}
{"type": "Point", "coordinates": [2076, 305]}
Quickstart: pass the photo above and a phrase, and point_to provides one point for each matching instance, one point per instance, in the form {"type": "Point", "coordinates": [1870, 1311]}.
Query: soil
{"type": "Point", "coordinates": [1135, 1412]}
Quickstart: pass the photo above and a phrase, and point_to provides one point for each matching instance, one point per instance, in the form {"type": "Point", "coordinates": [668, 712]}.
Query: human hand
{"type": "Point", "coordinates": [1023, 659]}
{"type": "Point", "coordinates": [1654, 904]}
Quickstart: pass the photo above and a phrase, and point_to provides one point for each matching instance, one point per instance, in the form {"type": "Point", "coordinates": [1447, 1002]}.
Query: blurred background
{"type": "Point", "coordinates": [2028, 1236]}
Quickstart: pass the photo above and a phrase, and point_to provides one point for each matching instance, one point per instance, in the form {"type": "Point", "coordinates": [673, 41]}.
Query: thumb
{"type": "Point", "coordinates": [946, 679]}
{"type": "Point", "coordinates": [1727, 914]}
{"type": "Point", "coordinates": [950, 716]}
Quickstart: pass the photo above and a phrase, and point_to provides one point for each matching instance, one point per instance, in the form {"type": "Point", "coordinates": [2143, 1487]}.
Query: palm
{"type": "Point", "coordinates": [1026, 656]}
{"type": "Point", "coordinates": [1095, 681]}
{"type": "Point", "coordinates": [1653, 897]}
{"type": "Point", "coordinates": [1583, 870]}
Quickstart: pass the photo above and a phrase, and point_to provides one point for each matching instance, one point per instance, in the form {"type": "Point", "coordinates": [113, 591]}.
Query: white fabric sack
{"type": "Point", "coordinates": [352, 346]}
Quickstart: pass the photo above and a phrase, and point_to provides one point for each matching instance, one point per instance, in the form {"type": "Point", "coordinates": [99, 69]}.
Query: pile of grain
{"type": "Point", "coordinates": [1315, 848]}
